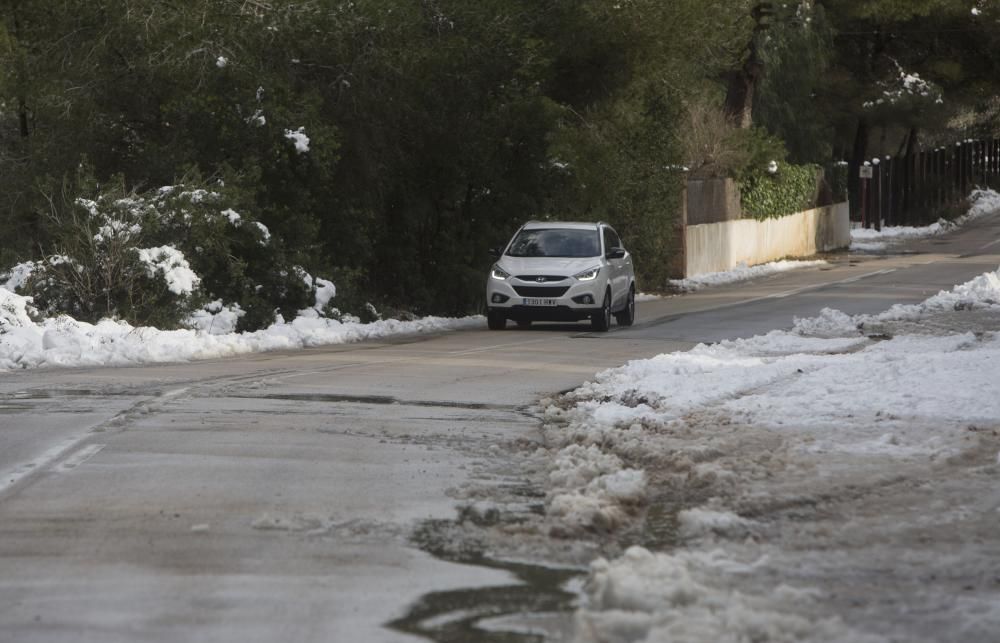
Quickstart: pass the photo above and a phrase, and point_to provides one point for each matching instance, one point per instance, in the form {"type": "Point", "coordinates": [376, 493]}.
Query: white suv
{"type": "Point", "coordinates": [559, 271]}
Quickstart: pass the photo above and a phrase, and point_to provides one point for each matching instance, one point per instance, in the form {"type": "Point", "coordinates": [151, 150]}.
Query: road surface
{"type": "Point", "coordinates": [275, 496]}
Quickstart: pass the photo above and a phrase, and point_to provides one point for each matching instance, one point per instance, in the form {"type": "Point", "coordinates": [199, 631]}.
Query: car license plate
{"type": "Point", "coordinates": [534, 301]}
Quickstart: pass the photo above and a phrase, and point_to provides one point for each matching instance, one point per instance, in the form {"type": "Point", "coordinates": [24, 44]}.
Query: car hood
{"type": "Point", "coordinates": [547, 265]}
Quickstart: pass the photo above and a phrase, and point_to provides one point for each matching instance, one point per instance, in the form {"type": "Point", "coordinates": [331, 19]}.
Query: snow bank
{"type": "Point", "coordinates": [741, 273]}
{"type": "Point", "coordinates": [982, 202]}
{"type": "Point", "coordinates": [66, 342]}
{"type": "Point", "coordinates": [215, 318]}
{"type": "Point", "coordinates": [17, 276]}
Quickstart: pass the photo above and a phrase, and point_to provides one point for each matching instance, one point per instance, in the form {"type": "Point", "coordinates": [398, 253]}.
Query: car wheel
{"type": "Point", "coordinates": [627, 316]}
{"type": "Point", "coordinates": [524, 323]}
{"type": "Point", "coordinates": [601, 320]}
{"type": "Point", "coordinates": [496, 320]}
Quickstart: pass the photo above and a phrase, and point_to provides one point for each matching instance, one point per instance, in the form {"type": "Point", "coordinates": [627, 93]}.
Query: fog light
{"type": "Point", "coordinates": [498, 298]}
{"type": "Point", "coordinates": [584, 299]}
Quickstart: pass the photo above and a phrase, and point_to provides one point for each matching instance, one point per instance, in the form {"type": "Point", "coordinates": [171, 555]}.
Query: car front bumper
{"type": "Point", "coordinates": [571, 305]}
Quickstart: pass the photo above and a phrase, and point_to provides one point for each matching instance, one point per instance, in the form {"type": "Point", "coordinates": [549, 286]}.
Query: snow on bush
{"type": "Point", "coordinates": [299, 139]}
{"type": "Point", "coordinates": [154, 258]}
{"type": "Point", "coordinates": [169, 263]}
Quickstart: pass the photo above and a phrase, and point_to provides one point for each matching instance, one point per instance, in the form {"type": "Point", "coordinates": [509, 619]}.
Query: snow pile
{"type": "Point", "coordinates": [766, 379]}
{"type": "Point", "coordinates": [13, 311]}
{"type": "Point", "coordinates": [733, 422]}
{"type": "Point", "coordinates": [64, 341]}
{"type": "Point", "coordinates": [742, 272]}
{"type": "Point", "coordinates": [929, 389]}
{"type": "Point", "coordinates": [983, 292]}
{"type": "Point", "coordinates": [591, 490]}
{"type": "Point", "coordinates": [17, 276]}
{"type": "Point", "coordinates": [649, 597]}
{"type": "Point", "coordinates": [982, 202]}
{"type": "Point", "coordinates": [215, 318]}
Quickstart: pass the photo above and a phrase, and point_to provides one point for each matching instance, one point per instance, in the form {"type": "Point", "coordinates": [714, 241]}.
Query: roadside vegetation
{"type": "Point", "coordinates": [386, 145]}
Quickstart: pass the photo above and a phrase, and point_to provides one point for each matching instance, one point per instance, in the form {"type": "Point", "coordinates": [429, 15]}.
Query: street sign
{"type": "Point", "coordinates": [865, 171]}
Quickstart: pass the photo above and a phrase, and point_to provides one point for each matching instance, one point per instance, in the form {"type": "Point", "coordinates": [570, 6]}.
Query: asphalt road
{"type": "Point", "coordinates": [272, 497]}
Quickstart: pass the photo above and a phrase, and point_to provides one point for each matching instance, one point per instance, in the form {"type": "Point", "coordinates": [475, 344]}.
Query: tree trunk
{"type": "Point", "coordinates": [739, 95]}
{"type": "Point", "coordinates": [742, 83]}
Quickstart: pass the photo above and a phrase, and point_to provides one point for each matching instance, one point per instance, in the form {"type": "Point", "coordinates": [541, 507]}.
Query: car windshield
{"type": "Point", "coordinates": [555, 242]}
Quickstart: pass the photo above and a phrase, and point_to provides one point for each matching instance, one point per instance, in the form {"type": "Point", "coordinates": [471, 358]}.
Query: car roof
{"type": "Point", "coordinates": [578, 225]}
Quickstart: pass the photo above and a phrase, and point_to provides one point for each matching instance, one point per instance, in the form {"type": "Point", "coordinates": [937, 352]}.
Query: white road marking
{"type": "Point", "coordinates": [11, 477]}
{"type": "Point", "coordinates": [849, 280]}
{"type": "Point", "coordinates": [79, 458]}
{"type": "Point", "coordinates": [990, 244]}
{"type": "Point", "coordinates": [16, 474]}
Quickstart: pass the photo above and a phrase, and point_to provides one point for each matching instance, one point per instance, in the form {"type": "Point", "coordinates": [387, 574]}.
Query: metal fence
{"type": "Point", "coordinates": [909, 189]}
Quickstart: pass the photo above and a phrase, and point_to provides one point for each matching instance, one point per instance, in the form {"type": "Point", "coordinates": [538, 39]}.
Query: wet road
{"type": "Point", "coordinates": [275, 496]}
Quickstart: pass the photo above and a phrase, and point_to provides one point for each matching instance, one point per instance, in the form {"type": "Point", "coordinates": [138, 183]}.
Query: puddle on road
{"type": "Point", "coordinates": [15, 408]}
{"type": "Point", "coordinates": [453, 616]}
{"type": "Point", "coordinates": [378, 399]}
{"type": "Point", "coordinates": [53, 393]}
{"type": "Point", "coordinates": [45, 394]}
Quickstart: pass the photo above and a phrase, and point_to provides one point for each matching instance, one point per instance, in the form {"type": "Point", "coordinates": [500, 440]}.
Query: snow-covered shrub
{"type": "Point", "coordinates": [156, 257]}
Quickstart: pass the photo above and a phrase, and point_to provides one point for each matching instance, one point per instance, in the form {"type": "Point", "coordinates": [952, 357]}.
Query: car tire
{"type": "Point", "coordinates": [496, 320]}
{"type": "Point", "coordinates": [601, 320]}
{"type": "Point", "coordinates": [524, 323]}
{"type": "Point", "coordinates": [627, 316]}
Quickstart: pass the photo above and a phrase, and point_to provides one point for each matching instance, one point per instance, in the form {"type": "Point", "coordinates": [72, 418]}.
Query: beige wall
{"type": "Point", "coordinates": [716, 247]}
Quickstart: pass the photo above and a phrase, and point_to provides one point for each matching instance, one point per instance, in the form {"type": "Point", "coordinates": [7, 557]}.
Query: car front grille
{"type": "Point", "coordinates": [541, 291]}
{"type": "Point", "coordinates": [541, 278]}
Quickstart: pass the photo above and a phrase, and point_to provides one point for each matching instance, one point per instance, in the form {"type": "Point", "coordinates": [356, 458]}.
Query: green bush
{"type": "Point", "coordinates": [791, 189]}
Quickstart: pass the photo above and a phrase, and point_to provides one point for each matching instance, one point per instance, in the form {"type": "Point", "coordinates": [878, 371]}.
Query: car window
{"type": "Point", "coordinates": [611, 240]}
{"type": "Point", "coordinates": [555, 242]}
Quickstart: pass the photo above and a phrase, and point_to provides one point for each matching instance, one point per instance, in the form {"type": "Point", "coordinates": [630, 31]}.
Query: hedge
{"type": "Point", "coordinates": [789, 190]}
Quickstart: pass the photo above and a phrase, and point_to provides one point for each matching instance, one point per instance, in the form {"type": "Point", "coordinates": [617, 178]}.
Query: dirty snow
{"type": "Point", "coordinates": [834, 401]}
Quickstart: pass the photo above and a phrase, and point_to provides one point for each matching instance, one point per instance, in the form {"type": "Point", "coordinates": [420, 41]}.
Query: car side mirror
{"type": "Point", "coordinates": [495, 252]}
{"type": "Point", "coordinates": [616, 253]}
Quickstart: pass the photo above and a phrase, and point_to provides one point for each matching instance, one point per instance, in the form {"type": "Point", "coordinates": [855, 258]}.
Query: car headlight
{"type": "Point", "coordinates": [588, 275]}
{"type": "Point", "coordinates": [499, 273]}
